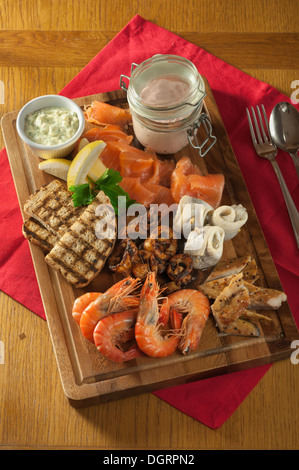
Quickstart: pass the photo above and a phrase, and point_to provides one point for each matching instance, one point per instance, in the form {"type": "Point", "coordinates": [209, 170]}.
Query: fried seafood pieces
{"type": "Point", "coordinates": [157, 253]}
{"type": "Point", "coordinates": [236, 298]}
{"type": "Point", "coordinates": [230, 307]}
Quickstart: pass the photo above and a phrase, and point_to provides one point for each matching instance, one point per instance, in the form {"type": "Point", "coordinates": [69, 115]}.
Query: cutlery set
{"type": "Point", "coordinates": [281, 131]}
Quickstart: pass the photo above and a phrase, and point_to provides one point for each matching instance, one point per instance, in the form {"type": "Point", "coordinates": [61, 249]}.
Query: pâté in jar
{"type": "Point", "coordinates": [165, 96]}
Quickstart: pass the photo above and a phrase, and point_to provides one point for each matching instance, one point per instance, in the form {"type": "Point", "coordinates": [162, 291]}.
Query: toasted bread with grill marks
{"type": "Point", "coordinates": [79, 255]}
{"type": "Point", "coordinates": [39, 235]}
{"type": "Point", "coordinates": [53, 207]}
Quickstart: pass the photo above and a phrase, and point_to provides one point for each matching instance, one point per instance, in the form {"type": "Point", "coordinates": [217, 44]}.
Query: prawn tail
{"type": "Point", "coordinates": [192, 329]}
{"type": "Point", "coordinates": [132, 353]}
{"type": "Point", "coordinates": [176, 319]}
{"type": "Point", "coordinates": [164, 314]}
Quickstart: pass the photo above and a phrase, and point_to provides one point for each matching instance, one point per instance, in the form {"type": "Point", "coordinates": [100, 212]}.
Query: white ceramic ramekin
{"type": "Point", "coordinates": [54, 151]}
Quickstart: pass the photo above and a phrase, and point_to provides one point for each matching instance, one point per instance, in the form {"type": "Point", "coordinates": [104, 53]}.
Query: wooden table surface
{"type": "Point", "coordinates": [43, 45]}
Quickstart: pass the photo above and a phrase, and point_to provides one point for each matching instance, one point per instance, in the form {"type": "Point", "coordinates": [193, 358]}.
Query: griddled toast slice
{"type": "Point", "coordinates": [52, 206]}
{"type": "Point", "coordinates": [80, 254]}
{"type": "Point", "coordinates": [38, 234]}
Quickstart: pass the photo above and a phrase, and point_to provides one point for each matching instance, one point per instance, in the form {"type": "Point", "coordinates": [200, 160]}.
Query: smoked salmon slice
{"type": "Point", "coordinates": [178, 184]}
{"type": "Point", "coordinates": [162, 194]}
{"type": "Point", "coordinates": [179, 181]}
{"type": "Point", "coordinates": [104, 113]}
{"type": "Point", "coordinates": [209, 188]}
{"type": "Point", "coordinates": [110, 156]}
{"type": "Point", "coordinates": [107, 133]}
{"type": "Point", "coordinates": [136, 163]}
{"type": "Point", "coordinates": [140, 164]}
{"type": "Point", "coordinates": [137, 191]}
{"type": "Point", "coordinates": [187, 180]}
{"type": "Point", "coordinates": [187, 167]}
{"type": "Point", "coordinates": [147, 167]}
{"type": "Point", "coordinates": [136, 168]}
{"type": "Point", "coordinates": [146, 193]}
{"type": "Point", "coordinates": [162, 169]}
{"type": "Point", "coordinates": [166, 168]}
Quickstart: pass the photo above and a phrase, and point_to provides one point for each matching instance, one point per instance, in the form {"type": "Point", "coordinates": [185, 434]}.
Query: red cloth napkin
{"type": "Point", "coordinates": [210, 401]}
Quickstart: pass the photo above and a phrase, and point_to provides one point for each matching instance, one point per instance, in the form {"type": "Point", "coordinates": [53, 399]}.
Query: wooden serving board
{"type": "Point", "coordinates": [87, 378]}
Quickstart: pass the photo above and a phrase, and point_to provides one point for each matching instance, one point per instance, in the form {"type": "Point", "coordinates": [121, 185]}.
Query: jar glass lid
{"type": "Point", "coordinates": [165, 82]}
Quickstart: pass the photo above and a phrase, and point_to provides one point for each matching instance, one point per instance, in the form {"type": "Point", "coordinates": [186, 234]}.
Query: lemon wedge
{"type": "Point", "coordinates": [58, 167]}
{"type": "Point", "coordinates": [84, 162]}
{"type": "Point", "coordinates": [82, 143]}
{"type": "Point", "coordinates": [97, 170]}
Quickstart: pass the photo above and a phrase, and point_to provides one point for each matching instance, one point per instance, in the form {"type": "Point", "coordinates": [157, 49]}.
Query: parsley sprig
{"type": "Point", "coordinates": [84, 194]}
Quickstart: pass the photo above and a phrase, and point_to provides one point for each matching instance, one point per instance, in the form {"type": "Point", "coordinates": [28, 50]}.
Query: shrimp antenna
{"type": "Point", "coordinates": [117, 299]}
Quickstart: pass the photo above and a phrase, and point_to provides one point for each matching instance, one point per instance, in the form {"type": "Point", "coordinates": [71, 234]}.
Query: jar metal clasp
{"type": "Point", "coordinates": [210, 140]}
{"type": "Point", "coordinates": [122, 82]}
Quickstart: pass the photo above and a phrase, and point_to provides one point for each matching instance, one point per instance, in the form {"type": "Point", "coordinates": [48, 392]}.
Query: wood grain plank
{"type": "Point", "coordinates": [76, 49]}
{"type": "Point", "coordinates": [175, 15]}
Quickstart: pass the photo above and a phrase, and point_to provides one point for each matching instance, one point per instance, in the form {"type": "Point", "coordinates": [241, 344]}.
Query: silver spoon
{"type": "Point", "coordinates": [284, 129]}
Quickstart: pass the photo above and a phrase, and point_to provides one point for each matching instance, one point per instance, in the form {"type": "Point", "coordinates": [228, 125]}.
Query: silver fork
{"type": "Point", "coordinates": [265, 148]}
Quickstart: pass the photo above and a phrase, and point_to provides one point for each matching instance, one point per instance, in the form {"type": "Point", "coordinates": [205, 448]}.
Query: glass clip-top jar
{"type": "Point", "coordinates": [165, 95]}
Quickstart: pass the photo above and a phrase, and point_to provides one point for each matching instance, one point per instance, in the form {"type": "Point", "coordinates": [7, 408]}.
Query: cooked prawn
{"type": "Point", "coordinates": [114, 330]}
{"type": "Point", "coordinates": [196, 306]}
{"type": "Point", "coordinates": [148, 331]}
{"type": "Point", "coordinates": [81, 303]}
{"type": "Point", "coordinates": [116, 299]}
